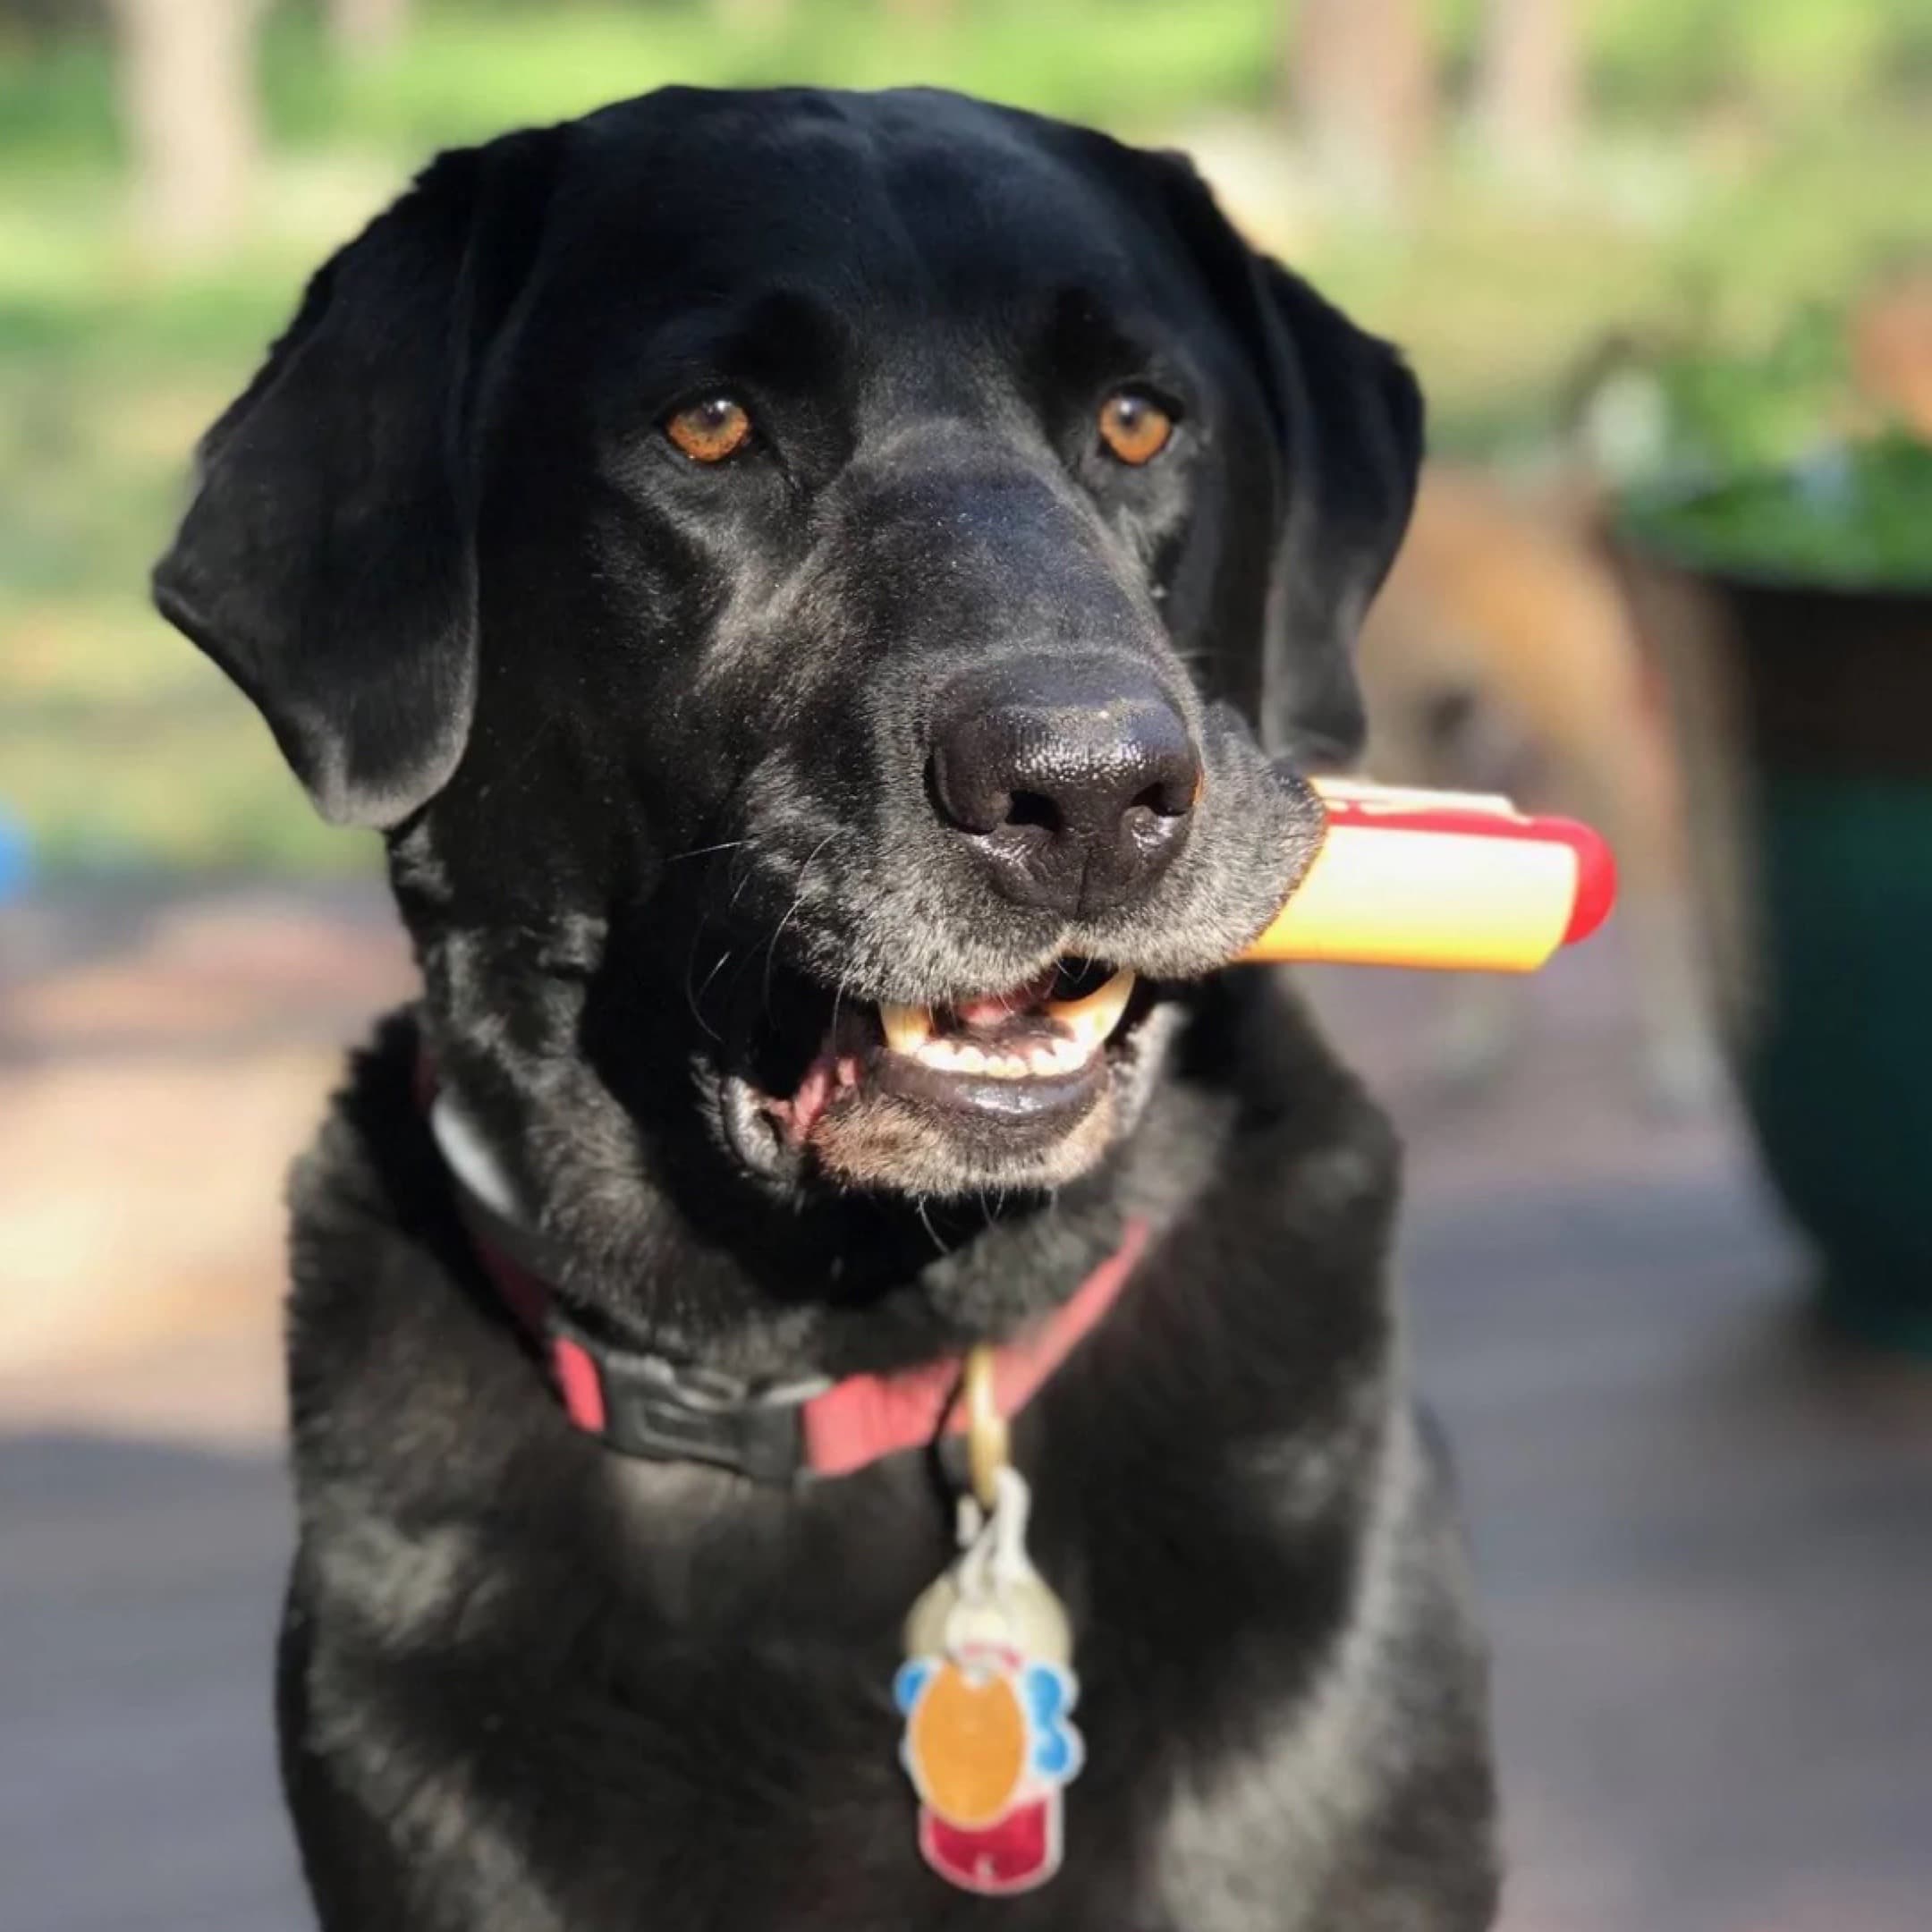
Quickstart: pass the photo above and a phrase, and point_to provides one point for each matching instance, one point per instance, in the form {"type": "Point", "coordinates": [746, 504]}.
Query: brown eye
{"type": "Point", "coordinates": [710, 431]}
{"type": "Point", "coordinates": [1134, 426]}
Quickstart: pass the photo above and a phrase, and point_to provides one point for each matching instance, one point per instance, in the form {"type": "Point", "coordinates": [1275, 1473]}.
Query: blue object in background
{"type": "Point", "coordinates": [16, 865]}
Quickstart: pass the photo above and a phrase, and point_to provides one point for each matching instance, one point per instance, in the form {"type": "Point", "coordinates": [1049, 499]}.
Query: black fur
{"type": "Point", "coordinates": [647, 739]}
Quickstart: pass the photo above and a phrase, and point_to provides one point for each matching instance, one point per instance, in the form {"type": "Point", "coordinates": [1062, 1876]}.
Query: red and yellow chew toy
{"type": "Point", "coordinates": [1443, 879]}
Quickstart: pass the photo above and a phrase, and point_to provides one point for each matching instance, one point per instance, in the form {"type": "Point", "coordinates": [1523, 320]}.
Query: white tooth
{"type": "Point", "coordinates": [1056, 1054]}
{"type": "Point", "coordinates": [907, 1028]}
{"type": "Point", "coordinates": [943, 1053]}
{"type": "Point", "coordinates": [1010, 1066]}
{"type": "Point", "coordinates": [970, 1060]}
{"type": "Point", "coordinates": [1090, 1020]}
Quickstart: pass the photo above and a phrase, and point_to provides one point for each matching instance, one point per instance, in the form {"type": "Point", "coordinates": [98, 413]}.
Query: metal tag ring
{"type": "Point", "coordinates": [987, 1435]}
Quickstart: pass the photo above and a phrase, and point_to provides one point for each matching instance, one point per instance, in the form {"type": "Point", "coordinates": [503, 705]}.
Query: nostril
{"type": "Point", "coordinates": [1163, 799]}
{"type": "Point", "coordinates": [964, 796]}
{"type": "Point", "coordinates": [1033, 808]}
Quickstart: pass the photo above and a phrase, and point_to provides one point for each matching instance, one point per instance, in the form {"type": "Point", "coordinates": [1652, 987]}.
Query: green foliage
{"type": "Point", "coordinates": [1656, 59]}
{"type": "Point", "coordinates": [1723, 411]}
{"type": "Point", "coordinates": [57, 100]}
{"type": "Point", "coordinates": [1854, 517]}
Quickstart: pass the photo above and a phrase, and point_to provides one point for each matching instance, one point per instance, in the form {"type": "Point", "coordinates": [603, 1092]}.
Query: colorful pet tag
{"type": "Point", "coordinates": [985, 1693]}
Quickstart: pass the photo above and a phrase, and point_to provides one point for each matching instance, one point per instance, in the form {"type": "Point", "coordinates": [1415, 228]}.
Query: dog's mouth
{"type": "Point", "coordinates": [1037, 1050]}
{"type": "Point", "coordinates": [988, 1089]}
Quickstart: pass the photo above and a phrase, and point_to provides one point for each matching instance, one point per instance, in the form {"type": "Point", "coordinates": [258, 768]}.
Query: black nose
{"type": "Point", "coordinates": [1074, 781]}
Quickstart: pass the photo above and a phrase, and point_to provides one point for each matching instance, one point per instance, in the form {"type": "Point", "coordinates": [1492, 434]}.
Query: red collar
{"type": "Point", "coordinates": [647, 1406]}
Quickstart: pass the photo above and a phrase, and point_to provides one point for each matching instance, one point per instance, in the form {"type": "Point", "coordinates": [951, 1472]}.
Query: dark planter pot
{"type": "Point", "coordinates": [1804, 716]}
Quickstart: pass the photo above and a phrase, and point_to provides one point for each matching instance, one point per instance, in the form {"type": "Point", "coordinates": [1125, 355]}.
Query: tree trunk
{"type": "Point", "coordinates": [1530, 82]}
{"type": "Point", "coordinates": [188, 97]}
{"type": "Point", "coordinates": [367, 31]}
{"type": "Point", "coordinates": [1361, 82]}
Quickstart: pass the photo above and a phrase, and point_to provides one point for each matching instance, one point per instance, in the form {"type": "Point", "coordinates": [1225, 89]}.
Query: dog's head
{"type": "Point", "coordinates": [809, 584]}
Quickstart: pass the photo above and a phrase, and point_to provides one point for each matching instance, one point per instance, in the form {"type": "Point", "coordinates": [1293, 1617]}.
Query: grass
{"type": "Point", "coordinates": [120, 746]}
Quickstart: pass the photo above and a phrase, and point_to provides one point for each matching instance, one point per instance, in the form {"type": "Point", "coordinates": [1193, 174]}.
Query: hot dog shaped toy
{"type": "Point", "coordinates": [1444, 879]}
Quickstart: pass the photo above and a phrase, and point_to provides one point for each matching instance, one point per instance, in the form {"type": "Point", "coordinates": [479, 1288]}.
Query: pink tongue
{"type": "Point", "coordinates": [991, 1009]}
{"type": "Point", "coordinates": [822, 1080]}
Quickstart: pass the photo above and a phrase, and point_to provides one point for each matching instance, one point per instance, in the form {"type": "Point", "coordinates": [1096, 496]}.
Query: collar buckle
{"type": "Point", "coordinates": [669, 1411]}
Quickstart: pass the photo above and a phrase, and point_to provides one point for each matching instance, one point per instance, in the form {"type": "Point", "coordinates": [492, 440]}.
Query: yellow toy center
{"type": "Point", "coordinates": [967, 1740]}
{"type": "Point", "coordinates": [1376, 896]}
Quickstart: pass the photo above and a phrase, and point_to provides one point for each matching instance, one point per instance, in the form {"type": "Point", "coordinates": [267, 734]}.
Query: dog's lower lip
{"type": "Point", "coordinates": [1033, 1103]}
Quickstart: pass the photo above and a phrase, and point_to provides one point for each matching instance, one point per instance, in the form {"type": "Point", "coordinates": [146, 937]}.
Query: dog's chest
{"type": "Point", "coordinates": [781, 1742]}
{"type": "Point", "coordinates": [706, 1720]}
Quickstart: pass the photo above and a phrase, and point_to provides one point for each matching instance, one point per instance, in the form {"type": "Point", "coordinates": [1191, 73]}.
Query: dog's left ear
{"type": "Point", "coordinates": [1354, 437]}
{"type": "Point", "coordinates": [1346, 418]}
{"type": "Point", "coordinates": [326, 562]}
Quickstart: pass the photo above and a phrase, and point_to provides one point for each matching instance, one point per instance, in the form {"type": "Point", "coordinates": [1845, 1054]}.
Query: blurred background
{"type": "Point", "coordinates": [1664, 267]}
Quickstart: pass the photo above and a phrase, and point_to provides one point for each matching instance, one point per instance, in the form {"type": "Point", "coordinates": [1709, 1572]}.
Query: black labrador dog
{"type": "Point", "coordinates": [826, 596]}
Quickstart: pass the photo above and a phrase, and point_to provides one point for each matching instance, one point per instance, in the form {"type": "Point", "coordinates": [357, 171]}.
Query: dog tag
{"type": "Point", "coordinates": [987, 1692]}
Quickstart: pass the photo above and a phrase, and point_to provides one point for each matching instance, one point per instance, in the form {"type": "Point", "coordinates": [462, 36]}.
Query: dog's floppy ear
{"type": "Point", "coordinates": [1353, 441]}
{"type": "Point", "coordinates": [326, 562]}
{"type": "Point", "coordinates": [1347, 420]}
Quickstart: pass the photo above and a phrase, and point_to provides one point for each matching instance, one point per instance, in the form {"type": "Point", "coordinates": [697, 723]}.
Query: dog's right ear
{"type": "Point", "coordinates": [326, 560]}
